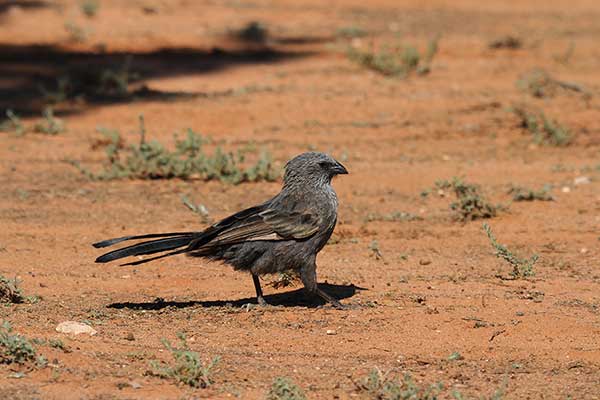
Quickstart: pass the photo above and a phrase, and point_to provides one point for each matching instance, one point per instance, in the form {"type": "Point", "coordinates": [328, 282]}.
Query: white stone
{"type": "Point", "coordinates": [75, 328]}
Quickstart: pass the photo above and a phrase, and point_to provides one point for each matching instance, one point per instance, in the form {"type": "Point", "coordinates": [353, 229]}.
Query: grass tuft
{"type": "Point", "coordinates": [396, 61]}
{"type": "Point", "coordinates": [285, 279]}
{"type": "Point", "coordinates": [521, 267]}
{"type": "Point", "coordinates": [544, 130]}
{"type": "Point", "coordinates": [188, 368]}
{"type": "Point", "coordinates": [253, 32]}
{"type": "Point", "coordinates": [379, 386]}
{"type": "Point", "coordinates": [13, 123]}
{"type": "Point", "coordinates": [539, 83]}
{"type": "Point", "coordinates": [10, 292]}
{"type": "Point", "coordinates": [50, 124]}
{"type": "Point", "coordinates": [17, 349]}
{"type": "Point", "coordinates": [285, 389]}
{"type": "Point", "coordinates": [525, 194]}
{"type": "Point", "coordinates": [199, 209]}
{"type": "Point", "coordinates": [151, 160]}
{"type": "Point", "coordinates": [89, 7]}
{"type": "Point", "coordinates": [470, 204]}
{"type": "Point", "coordinates": [393, 217]}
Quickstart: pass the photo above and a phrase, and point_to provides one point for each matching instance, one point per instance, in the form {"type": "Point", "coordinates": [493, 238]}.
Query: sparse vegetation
{"type": "Point", "coordinates": [254, 32]}
{"type": "Point", "coordinates": [10, 292]}
{"type": "Point", "coordinates": [351, 32]}
{"type": "Point", "coordinates": [188, 367]}
{"type": "Point", "coordinates": [521, 267]}
{"type": "Point", "coordinates": [17, 349]}
{"type": "Point", "coordinates": [539, 83]}
{"type": "Point", "coordinates": [470, 204]}
{"type": "Point", "coordinates": [199, 209]}
{"type": "Point", "coordinates": [544, 130]}
{"type": "Point", "coordinates": [151, 160]}
{"type": "Point", "coordinates": [92, 82]}
{"type": "Point", "coordinates": [378, 386]}
{"type": "Point", "coordinates": [77, 34]}
{"type": "Point", "coordinates": [393, 217]}
{"type": "Point", "coordinates": [396, 61]}
{"type": "Point", "coordinates": [525, 194]}
{"type": "Point", "coordinates": [13, 123]}
{"type": "Point", "coordinates": [375, 251]}
{"type": "Point", "coordinates": [285, 279]}
{"type": "Point", "coordinates": [58, 344]}
{"type": "Point", "coordinates": [89, 7]}
{"type": "Point", "coordinates": [50, 124]}
{"type": "Point", "coordinates": [285, 389]}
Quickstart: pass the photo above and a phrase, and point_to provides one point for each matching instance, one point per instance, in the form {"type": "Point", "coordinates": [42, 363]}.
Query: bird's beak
{"type": "Point", "coordinates": [339, 169]}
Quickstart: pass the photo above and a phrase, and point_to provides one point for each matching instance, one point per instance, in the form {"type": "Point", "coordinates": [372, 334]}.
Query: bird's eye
{"type": "Point", "coordinates": [325, 164]}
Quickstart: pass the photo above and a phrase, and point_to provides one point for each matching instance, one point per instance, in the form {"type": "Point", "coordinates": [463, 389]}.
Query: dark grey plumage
{"type": "Point", "coordinates": [284, 233]}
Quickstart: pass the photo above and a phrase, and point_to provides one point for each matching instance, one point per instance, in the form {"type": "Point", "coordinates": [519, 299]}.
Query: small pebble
{"type": "Point", "coordinates": [135, 385]}
{"type": "Point", "coordinates": [581, 180]}
{"type": "Point", "coordinates": [331, 332]}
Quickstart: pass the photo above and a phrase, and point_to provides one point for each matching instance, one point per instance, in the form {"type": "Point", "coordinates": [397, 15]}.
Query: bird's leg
{"type": "Point", "coordinates": [259, 294]}
{"type": "Point", "coordinates": [309, 279]}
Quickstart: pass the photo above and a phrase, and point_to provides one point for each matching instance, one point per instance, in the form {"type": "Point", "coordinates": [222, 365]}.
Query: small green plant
{"type": "Point", "coordinates": [525, 194]}
{"type": "Point", "coordinates": [285, 389]}
{"type": "Point", "coordinates": [199, 209]}
{"type": "Point", "coordinates": [539, 83]}
{"type": "Point", "coordinates": [188, 367]}
{"type": "Point", "coordinates": [254, 32]}
{"type": "Point", "coordinates": [150, 160]}
{"type": "Point", "coordinates": [89, 7]}
{"type": "Point", "coordinates": [375, 251]}
{"type": "Point", "coordinates": [13, 123]}
{"type": "Point", "coordinates": [16, 348]}
{"type": "Point", "coordinates": [470, 204]}
{"type": "Point", "coordinates": [77, 34]}
{"type": "Point", "coordinates": [544, 130]}
{"type": "Point", "coordinates": [398, 61]}
{"type": "Point", "coordinates": [92, 82]}
{"type": "Point", "coordinates": [521, 267]}
{"type": "Point", "coordinates": [50, 125]}
{"type": "Point", "coordinates": [378, 386]}
{"type": "Point", "coordinates": [285, 279]}
{"type": "Point", "coordinates": [10, 292]}
{"type": "Point", "coordinates": [58, 344]}
{"type": "Point", "coordinates": [455, 356]}
{"type": "Point", "coordinates": [351, 32]}
{"type": "Point", "coordinates": [393, 217]}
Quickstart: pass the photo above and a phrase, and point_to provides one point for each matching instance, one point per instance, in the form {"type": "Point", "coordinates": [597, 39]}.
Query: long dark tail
{"type": "Point", "coordinates": [178, 241]}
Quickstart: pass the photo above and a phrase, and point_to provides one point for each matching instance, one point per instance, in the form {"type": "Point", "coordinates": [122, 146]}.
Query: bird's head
{"type": "Point", "coordinates": [312, 167]}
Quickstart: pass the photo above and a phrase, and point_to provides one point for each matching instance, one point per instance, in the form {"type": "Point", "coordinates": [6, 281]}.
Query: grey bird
{"type": "Point", "coordinates": [284, 233]}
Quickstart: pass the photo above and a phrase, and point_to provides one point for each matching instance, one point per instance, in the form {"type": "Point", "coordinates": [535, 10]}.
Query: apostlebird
{"type": "Point", "coordinates": [282, 234]}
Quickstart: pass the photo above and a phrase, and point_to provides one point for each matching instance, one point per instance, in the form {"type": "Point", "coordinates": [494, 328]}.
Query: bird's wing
{"type": "Point", "coordinates": [261, 223]}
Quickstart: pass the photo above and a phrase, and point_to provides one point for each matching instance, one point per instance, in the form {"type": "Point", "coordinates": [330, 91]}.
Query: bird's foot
{"type": "Point", "coordinates": [261, 301]}
{"type": "Point", "coordinates": [337, 305]}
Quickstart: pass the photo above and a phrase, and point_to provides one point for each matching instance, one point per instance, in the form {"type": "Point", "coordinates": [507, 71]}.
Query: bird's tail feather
{"type": "Point", "coordinates": [110, 242]}
{"type": "Point", "coordinates": [149, 247]}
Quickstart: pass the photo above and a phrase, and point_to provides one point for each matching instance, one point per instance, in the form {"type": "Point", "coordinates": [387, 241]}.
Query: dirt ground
{"type": "Point", "coordinates": [436, 289]}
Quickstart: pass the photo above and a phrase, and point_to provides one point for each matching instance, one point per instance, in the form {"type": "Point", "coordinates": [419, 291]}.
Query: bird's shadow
{"type": "Point", "coordinates": [294, 298]}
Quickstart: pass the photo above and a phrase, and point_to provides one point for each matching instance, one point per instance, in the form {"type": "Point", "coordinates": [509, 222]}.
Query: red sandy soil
{"type": "Point", "coordinates": [436, 290]}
